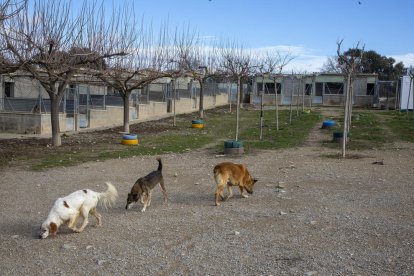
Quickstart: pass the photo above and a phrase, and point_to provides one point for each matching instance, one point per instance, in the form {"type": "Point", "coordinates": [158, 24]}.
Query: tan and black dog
{"type": "Point", "coordinates": [230, 174]}
{"type": "Point", "coordinates": [142, 188]}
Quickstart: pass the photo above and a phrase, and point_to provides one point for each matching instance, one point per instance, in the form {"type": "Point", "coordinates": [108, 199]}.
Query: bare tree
{"type": "Point", "coordinates": [274, 63]}
{"type": "Point", "coordinates": [146, 60]}
{"type": "Point", "coordinates": [349, 65]}
{"type": "Point", "coordinates": [195, 60]}
{"type": "Point", "coordinates": [331, 65]}
{"type": "Point", "coordinates": [51, 46]}
{"type": "Point", "coordinates": [9, 8]}
{"type": "Point", "coordinates": [236, 64]}
{"type": "Point", "coordinates": [261, 72]}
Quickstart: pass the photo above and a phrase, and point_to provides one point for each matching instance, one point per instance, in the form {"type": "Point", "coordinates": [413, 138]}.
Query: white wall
{"type": "Point", "coordinates": [406, 96]}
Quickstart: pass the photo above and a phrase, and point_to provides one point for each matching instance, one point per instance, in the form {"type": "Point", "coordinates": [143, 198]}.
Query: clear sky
{"type": "Point", "coordinates": [310, 29]}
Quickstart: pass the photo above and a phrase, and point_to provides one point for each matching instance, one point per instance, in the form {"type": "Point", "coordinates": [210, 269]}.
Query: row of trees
{"type": "Point", "coordinates": [44, 40]}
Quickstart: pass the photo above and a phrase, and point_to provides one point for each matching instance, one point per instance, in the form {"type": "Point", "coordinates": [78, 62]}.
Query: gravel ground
{"type": "Point", "coordinates": [309, 215]}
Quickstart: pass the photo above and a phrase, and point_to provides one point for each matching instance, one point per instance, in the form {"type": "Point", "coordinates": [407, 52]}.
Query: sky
{"type": "Point", "coordinates": [308, 29]}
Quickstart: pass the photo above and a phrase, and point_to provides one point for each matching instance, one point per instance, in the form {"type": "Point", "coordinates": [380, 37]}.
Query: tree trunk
{"type": "Point", "coordinates": [201, 105]}
{"type": "Point", "coordinates": [126, 112]}
{"type": "Point", "coordinates": [231, 86]}
{"type": "Point", "coordinates": [277, 106]}
{"type": "Point", "coordinates": [54, 116]}
{"type": "Point", "coordinates": [261, 109]}
{"type": "Point", "coordinates": [290, 106]}
{"type": "Point", "coordinates": [346, 116]}
{"type": "Point", "coordinates": [238, 106]}
{"type": "Point", "coordinates": [174, 102]}
{"type": "Point", "coordinates": [350, 106]}
{"type": "Point", "coordinates": [303, 85]}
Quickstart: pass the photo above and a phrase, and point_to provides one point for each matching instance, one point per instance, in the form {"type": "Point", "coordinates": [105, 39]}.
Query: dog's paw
{"type": "Point", "coordinates": [143, 210]}
{"type": "Point", "coordinates": [244, 196]}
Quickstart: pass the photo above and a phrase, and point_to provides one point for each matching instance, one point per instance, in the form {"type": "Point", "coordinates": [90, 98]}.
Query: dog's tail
{"type": "Point", "coordinates": [109, 197]}
{"type": "Point", "coordinates": [159, 164]}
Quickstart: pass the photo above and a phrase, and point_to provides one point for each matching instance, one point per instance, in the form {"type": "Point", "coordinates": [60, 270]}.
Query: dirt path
{"type": "Point", "coordinates": [317, 137]}
{"type": "Point", "coordinates": [309, 215]}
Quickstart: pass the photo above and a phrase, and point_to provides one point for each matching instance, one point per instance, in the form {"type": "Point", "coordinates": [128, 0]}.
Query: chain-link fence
{"type": "Point", "coordinates": [386, 94]}
{"type": "Point", "coordinates": [78, 99]}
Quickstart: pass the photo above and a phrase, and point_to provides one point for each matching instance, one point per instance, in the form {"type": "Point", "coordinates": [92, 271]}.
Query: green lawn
{"type": "Point", "coordinates": [220, 125]}
{"type": "Point", "coordinates": [377, 128]}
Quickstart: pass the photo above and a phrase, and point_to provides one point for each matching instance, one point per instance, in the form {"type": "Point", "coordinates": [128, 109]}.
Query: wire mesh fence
{"type": "Point", "coordinates": [79, 98]}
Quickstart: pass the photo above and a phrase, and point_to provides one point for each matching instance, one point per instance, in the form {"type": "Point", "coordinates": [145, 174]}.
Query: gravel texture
{"type": "Point", "coordinates": [309, 215]}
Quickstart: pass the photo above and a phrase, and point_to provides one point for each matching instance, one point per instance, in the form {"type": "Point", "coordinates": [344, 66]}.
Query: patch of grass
{"type": "Point", "coordinates": [288, 135]}
{"type": "Point", "coordinates": [63, 158]}
{"type": "Point", "coordinates": [402, 125]}
{"type": "Point", "coordinates": [220, 125]}
{"type": "Point", "coordinates": [367, 131]}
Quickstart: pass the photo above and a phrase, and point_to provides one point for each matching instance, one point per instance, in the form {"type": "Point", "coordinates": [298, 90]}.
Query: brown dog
{"type": "Point", "coordinates": [143, 187]}
{"type": "Point", "coordinates": [231, 174]}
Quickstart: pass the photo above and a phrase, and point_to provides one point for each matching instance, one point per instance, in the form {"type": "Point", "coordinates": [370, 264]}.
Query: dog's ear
{"type": "Point", "coordinates": [136, 197]}
{"type": "Point", "coordinates": [53, 228]}
{"type": "Point", "coordinates": [255, 180]}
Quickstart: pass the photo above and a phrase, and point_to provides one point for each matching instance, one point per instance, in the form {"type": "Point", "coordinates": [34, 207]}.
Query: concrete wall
{"type": "Point", "coordinates": [152, 109]}
{"type": "Point", "coordinates": [330, 100]}
{"type": "Point", "coordinates": [33, 123]}
{"type": "Point", "coordinates": [221, 99]}
{"type": "Point", "coordinates": [29, 123]}
{"type": "Point", "coordinates": [209, 102]}
{"type": "Point", "coordinates": [26, 88]}
{"type": "Point", "coordinates": [112, 116]}
{"type": "Point", "coordinates": [185, 105]}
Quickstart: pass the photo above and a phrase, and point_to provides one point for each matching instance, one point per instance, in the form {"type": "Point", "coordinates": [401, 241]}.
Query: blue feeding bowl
{"type": "Point", "coordinates": [328, 124]}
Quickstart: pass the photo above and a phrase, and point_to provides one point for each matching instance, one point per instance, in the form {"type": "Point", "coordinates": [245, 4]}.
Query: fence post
{"type": "Point", "coordinates": [1, 93]}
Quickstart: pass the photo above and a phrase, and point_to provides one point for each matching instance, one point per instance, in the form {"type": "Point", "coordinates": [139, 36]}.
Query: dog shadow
{"type": "Point", "coordinates": [27, 229]}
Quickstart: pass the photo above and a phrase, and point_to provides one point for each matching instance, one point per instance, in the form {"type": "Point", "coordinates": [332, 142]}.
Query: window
{"type": "Point", "coordinates": [370, 88]}
{"type": "Point", "coordinates": [279, 88]}
{"type": "Point", "coordinates": [334, 88]}
{"type": "Point", "coordinates": [9, 89]}
{"type": "Point", "coordinates": [308, 89]}
{"type": "Point", "coordinates": [269, 87]}
{"type": "Point", "coordinates": [319, 89]}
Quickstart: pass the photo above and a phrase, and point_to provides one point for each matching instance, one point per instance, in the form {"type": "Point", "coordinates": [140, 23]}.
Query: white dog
{"type": "Point", "coordinates": [80, 203]}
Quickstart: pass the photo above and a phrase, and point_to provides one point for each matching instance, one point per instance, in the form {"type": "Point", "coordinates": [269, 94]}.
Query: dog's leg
{"type": "Point", "coordinates": [242, 191]}
{"type": "Point", "coordinates": [164, 191]}
{"type": "Point", "coordinates": [85, 214]}
{"type": "Point", "coordinates": [219, 193]}
{"type": "Point", "coordinates": [149, 198]}
{"type": "Point", "coordinates": [229, 191]}
{"type": "Point", "coordinates": [97, 216]}
{"type": "Point", "coordinates": [72, 222]}
{"type": "Point", "coordinates": [145, 202]}
{"type": "Point", "coordinates": [143, 198]}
